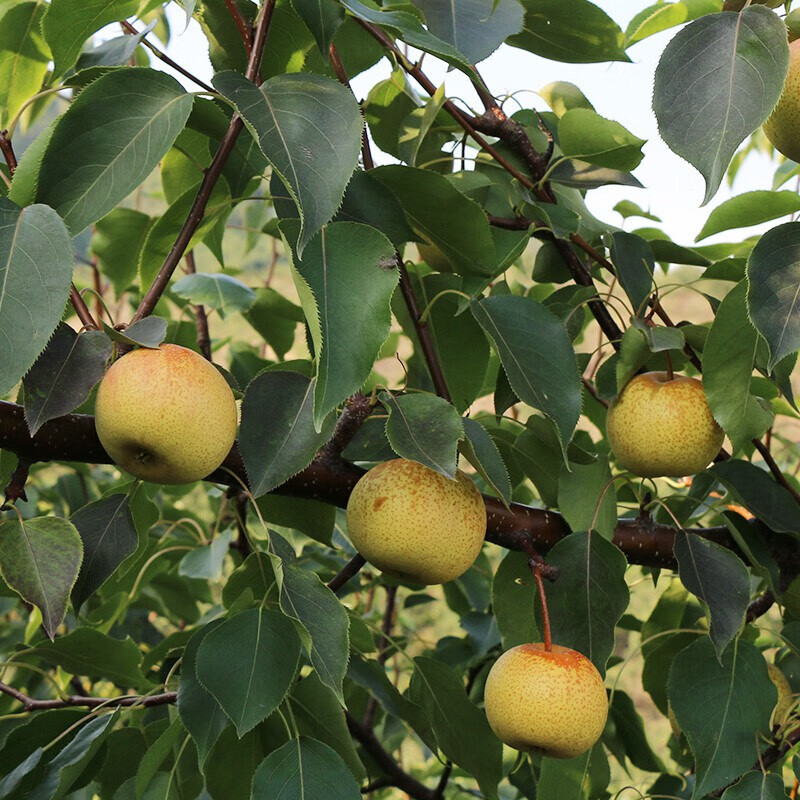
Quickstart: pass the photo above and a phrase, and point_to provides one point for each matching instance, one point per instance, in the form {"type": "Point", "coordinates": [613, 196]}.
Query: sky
{"type": "Point", "coordinates": [620, 91]}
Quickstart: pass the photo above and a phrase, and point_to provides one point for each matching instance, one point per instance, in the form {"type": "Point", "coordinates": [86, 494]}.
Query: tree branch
{"type": "Point", "coordinates": [72, 701]}
{"type": "Point", "coordinates": [241, 23]}
{"type": "Point", "coordinates": [200, 316]}
{"type": "Point", "coordinates": [73, 438]}
{"type": "Point", "coordinates": [7, 149]}
{"type": "Point", "coordinates": [210, 178]}
{"type": "Point", "coordinates": [81, 309]}
{"type": "Point", "coordinates": [162, 56]}
{"type": "Point", "coordinates": [394, 772]}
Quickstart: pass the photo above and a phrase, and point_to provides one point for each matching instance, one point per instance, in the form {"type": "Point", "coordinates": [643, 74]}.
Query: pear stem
{"type": "Point", "coordinates": [536, 562]}
{"type": "Point", "coordinates": [670, 373]}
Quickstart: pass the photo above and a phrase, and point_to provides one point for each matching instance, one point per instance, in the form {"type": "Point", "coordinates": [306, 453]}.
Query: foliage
{"type": "Point", "coordinates": [389, 276]}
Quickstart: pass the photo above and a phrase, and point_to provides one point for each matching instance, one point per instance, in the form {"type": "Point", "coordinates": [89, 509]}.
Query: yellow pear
{"type": "Point", "coordinates": [783, 126]}
{"type": "Point", "coordinates": [663, 427]}
{"type": "Point", "coordinates": [416, 524]}
{"type": "Point", "coordinates": [549, 702]}
{"type": "Point", "coordinates": [165, 415]}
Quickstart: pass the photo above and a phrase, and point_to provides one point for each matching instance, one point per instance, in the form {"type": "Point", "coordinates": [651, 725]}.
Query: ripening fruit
{"type": "Point", "coordinates": [553, 703]}
{"type": "Point", "coordinates": [416, 524]}
{"type": "Point", "coordinates": [166, 415]}
{"type": "Point", "coordinates": [783, 126]}
{"type": "Point", "coordinates": [660, 427]}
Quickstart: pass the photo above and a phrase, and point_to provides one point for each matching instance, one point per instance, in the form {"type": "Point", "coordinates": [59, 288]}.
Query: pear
{"type": "Point", "coordinates": [165, 415]}
{"type": "Point", "coordinates": [549, 702]}
{"type": "Point", "coordinates": [783, 126]}
{"type": "Point", "coordinates": [415, 523]}
{"type": "Point", "coordinates": [661, 426]}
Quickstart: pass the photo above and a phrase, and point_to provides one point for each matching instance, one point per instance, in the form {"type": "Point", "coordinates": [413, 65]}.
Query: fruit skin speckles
{"type": "Point", "coordinates": [552, 702]}
{"type": "Point", "coordinates": [414, 523]}
{"type": "Point", "coordinates": [659, 427]}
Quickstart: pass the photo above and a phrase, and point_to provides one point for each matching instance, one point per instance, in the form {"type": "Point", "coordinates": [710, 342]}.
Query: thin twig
{"type": "Point", "coordinates": [200, 316]}
{"type": "Point", "coordinates": [31, 704]}
{"type": "Point", "coordinates": [195, 216]}
{"type": "Point", "coordinates": [351, 568]}
{"type": "Point", "coordinates": [81, 309]}
{"type": "Point", "coordinates": [162, 56]}
{"type": "Point", "coordinates": [245, 31]}
{"type": "Point", "coordinates": [7, 149]}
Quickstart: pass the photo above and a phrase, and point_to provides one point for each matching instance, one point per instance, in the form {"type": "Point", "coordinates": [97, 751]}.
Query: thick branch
{"type": "Point", "coordinates": [200, 316]}
{"type": "Point", "coordinates": [73, 438]}
{"type": "Point", "coordinates": [210, 178]}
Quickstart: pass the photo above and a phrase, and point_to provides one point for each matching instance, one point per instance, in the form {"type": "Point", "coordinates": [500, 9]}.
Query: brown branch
{"type": "Point", "coordinates": [355, 412]}
{"type": "Point", "coordinates": [200, 316]}
{"type": "Point", "coordinates": [210, 178]}
{"type": "Point", "coordinates": [643, 541]}
{"type": "Point", "coordinates": [81, 309]}
{"type": "Point", "coordinates": [73, 701]}
{"type": "Point", "coordinates": [758, 607]}
{"type": "Point", "coordinates": [384, 648]}
{"type": "Point", "coordinates": [15, 490]}
{"type": "Point", "coordinates": [351, 568]}
{"type": "Point", "coordinates": [245, 30]}
{"type": "Point", "coordinates": [7, 149]}
{"type": "Point", "coordinates": [341, 74]}
{"type": "Point", "coordinates": [394, 772]}
{"type": "Point", "coordinates": [162, 56]}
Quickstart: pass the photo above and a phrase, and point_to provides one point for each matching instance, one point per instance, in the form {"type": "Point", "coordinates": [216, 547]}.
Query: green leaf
{"type": "Point", "coordinates": [205, 563]}
{"type": "Point", "coordinates": [513, 593]}
{"type": "Point", "coordinates": [218, 291]}
{"type": "Point", "coordinates": [200, 712]}
{"type": "Point", "coordinates": [305, 769]}
{"type": "Point", "coordinates": [157, 754]}
{"type": "Point", "coordinates": [109, 536]}
{"type": "Point", "coordinates": [589, 596]}
{"type": "Point", "coordinates": [24, 55]}
{"type": "Point", "coordinates": [757, 785]}
{"type": "Point", "coordinates": [661, 16]}
{"type": "Point", "coordinates": [586, 135]}
{"type": "Point", "coordinates": [248, 663]}
{"type": "Point", "coordinates": [66, 768]}
{"type": "Point", "coordinates": [345, 279]}
{"type": "Point", "coordinates": [563, 96]}
{"type": "Point", "coordinates": [275, 319]}
{"type": "Point", "coordinates": [629, 729]}
{"type": "Point", "coordinates": [86, 651]}
{"type": "Point", "coordinates": [323, 20]}
{"type": "Point", "coordinates": [573, 31]}
{"type": "Point", "coordinates": [475, 28]}
{"type": "Point", "coordinates": [148, 332]}
{"type": "Point", "coordinates": [67, 26]}
{"type": "Point", "coordinates": [323, 620]}
{"type": "Point", "coordinates": [627, 209]}
{"type": "Point", "coordinates": [479, 449]}
{"type": "Point", "coordinates": [88, 169]}
{"type": "Point", "coordinates": [587, 497]}
{"type": "Point", "coordinates": [750, 208]}
{"type": "Point", "coordinates": [574, 777]}
{"type": "Point", "coordinates": [728, 358]}
{"type": "Point", "coordinates": [773, 274]}
{"type": "Point", "coordinates": [760, 494]}
{"type": "Point", "coordinates": [718, 577]}
{"type": "Point", "coordinates": [424, 428]}
{"type": "Point", "coordinates": [634, 262]}
{"type": "Point", "coordinates": [64, 374]}
{"type": "Point", "coordinates": [537, 357]}
{"type": "Point", "coordinates": [439, 690]}
{"type": "Point", "coordinates": [443, 216]}
{"type": "Point", "coordinates": [319, 714]}
{"type": "Point", "coordinates": [717, 702]}
{"type": "Point", "coordinates": [40, 559]}
{"type": "Point", "coordinates": [417, 125]}
{"type": "Point", "coordinates": [633, 354]}
{"type": "Point", "coordinates": [13, 778]}
{"type": "Point", "coordinates": [117, 242]}
{"type": "Point", "coordinates": [703, 118]}
{"type": "Point", "coordinates": [36, 262]}
{"type": "Point", "coordinates": [276, 436]}
{"type": "Point", "coordinates": [309, 128]}
{"type": "Point", "coordinates": [406, 26]}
